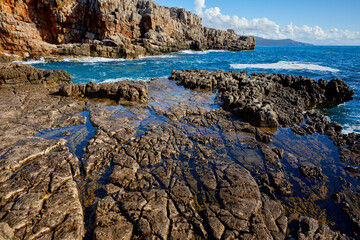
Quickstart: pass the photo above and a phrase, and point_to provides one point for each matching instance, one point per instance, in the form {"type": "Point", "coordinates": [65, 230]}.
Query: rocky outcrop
{"type": "Point", "coordinates": [134, 91]}
{"type": "Point", "coordinates": [106, 28]}
{"type": "Point", "coordinates": [15, 75]}
{"type": "Point", "coordinates": [179, 167]}
{"type": "Point", "coordinates": [39, 197]}
{"type": "Point", "coordinates": [267, 99]}
{"type": "Point", "coordinates": [309, 229]}
{"type": "Point", "coordinates": [6, 59]}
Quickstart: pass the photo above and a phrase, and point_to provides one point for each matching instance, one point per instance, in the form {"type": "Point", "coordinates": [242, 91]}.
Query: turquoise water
{"type": "Point", "coordinates": [315, 62]}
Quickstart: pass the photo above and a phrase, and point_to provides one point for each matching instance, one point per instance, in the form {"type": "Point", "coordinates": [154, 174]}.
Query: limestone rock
{"type": "Point", "coordinates": [15, 75]}
{"type": "Point", "coordinates": [106, 28]}
{"type": "Point", "coordinates": [266, 99]}
{"type": "Point", "coordinates": [123, 90]}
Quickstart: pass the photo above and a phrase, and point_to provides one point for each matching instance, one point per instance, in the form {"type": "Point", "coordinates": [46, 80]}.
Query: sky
{"type": "Point", "coordinates": [321, 22]}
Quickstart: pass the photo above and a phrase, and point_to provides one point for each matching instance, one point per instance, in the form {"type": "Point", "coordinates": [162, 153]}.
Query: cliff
{"type": "Point", "coordinates": [106, 28]}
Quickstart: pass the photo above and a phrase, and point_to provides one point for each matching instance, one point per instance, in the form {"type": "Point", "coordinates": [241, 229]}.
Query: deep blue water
{"type": "Point", "coordinates": [315, 62]}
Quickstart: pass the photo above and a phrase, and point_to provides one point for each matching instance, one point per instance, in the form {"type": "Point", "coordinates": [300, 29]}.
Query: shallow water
{"type": "Point", "coordinates": [314, 61]}
{"type": "Point", "coordinates": [77, 136]}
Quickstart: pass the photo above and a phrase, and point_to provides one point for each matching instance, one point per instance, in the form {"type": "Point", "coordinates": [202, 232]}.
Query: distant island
{"type": "Point", "coordinates": [281, 42]}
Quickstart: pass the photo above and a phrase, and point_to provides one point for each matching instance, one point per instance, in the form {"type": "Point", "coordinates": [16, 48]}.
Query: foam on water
{"type": "Point", "coordinates": [350, 128]}
{"type": "Point", "coordinates": [200, 52]}
{"type": "Point", "coordinates": [285, 65]}
{"type": "Point", "coordinates": [73, 59]}
{"type": "Point", "coordinates": [93, 59]}
{"type": "Point", "coordinates": [111, 80]}
{"type": "Point", "coordinates": [31, 62]}
{"type": "Point", "coordinates": [163, 56]}
{"type": "Point", "coordinates": [315, 62]}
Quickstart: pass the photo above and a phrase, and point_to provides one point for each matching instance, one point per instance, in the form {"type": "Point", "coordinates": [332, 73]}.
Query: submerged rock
{"type": "Point", "coordinates": [311, 172]}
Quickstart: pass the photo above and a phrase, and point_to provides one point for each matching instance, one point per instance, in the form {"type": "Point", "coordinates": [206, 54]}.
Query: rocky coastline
{"type": "Point", "coordinates": [164, 160]}
{"type": "Point", "coordinates": [106, 28]}
{"type": "Point", "coordinates": [198, 155]}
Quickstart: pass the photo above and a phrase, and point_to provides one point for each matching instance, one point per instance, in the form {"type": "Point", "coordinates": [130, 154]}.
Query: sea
{"type": "Point", "coordinates": [327, 62]}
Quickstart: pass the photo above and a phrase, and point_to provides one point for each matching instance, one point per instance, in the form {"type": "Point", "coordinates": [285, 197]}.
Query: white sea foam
{"type": "Point", "coordinates": [111, 80]}
{"type": "Point", "coordinates": [285, 65]}
{"type": "Point", "coordinates": [30, 62]}
{"type": "Point", "coordinates": [93, 59]}
{"type": "Point", "coordinates": [199, 52]}
{"type": "Point", "coordinates": [350, 128]}
{"type": "Point", "coordinates": [158, 56]}
{"type": "Point", "coordinates": [73, 59]}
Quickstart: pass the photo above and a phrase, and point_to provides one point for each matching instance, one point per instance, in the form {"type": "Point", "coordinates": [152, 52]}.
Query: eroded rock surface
{"type": "Point", "coordinates": [106, 28]}
{"type": "Point", "coordinates": [125, 90]}
{"type": "Point", "coordinates": [178, 167]}
{"type": "Point", "coordinates": [15, 75]}
{"type": "Point", "coordinates": [267, 99]}
{"type": "Point", "coordinates": [39, 198]}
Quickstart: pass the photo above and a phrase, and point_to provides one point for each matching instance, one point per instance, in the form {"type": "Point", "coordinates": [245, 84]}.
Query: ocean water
{"type": "Point", "coordinates": [317, 62]}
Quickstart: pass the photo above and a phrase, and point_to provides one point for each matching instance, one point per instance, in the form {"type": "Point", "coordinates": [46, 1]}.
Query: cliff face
{"type": "Point", "coordinates": [107, 28]}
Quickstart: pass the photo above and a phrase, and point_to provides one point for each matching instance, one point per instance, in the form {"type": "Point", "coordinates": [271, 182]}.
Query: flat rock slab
{"type": "Point", "coordinates": [178, 167]}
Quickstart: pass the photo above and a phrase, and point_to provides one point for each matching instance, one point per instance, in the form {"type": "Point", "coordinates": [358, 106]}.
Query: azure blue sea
{"type": "Point", "coordinates": [317, 62]}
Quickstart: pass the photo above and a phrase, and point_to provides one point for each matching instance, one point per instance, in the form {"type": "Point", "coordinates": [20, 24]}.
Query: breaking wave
{"type": "Point", "coordinates": [200, 52]}
{"type": "Point", "coordinates": [285, 65]}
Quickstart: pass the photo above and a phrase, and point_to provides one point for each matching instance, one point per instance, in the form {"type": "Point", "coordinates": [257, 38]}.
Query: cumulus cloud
{"type": "Point", "coordinates": [264, 27]}
{"type": "Point", "coordinates": [199, 6]}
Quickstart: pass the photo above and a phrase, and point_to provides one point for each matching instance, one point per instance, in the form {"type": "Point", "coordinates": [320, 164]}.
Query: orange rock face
{"type": "Point", "coordinates": [130, 27]}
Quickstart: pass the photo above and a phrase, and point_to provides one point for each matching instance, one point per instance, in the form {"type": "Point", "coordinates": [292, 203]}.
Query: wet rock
{"type": "Point", "coordinates": [124, 90]}
{"type": "Point", "coordinates": [266, 99]}
{"type": "Point", "coordinates": [110, 222]}
{"type": "Point", "coordinates": [15, 75]}
{"type": "Point", "coordinates": [173, 169]}
{"type": "Point", "coordinates": [42, 197]}
{"type": "Point", "coordinates": [309, 228]}
{"type": "Point", "coordinates": [311, 172]}
{"type": "Point", "coordinates": [350, 203]}
{"type": "Point", "coordinates": [352, 169]}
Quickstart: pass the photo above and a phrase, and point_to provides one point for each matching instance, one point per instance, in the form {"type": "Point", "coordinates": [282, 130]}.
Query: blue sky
{"type": "Point", "coordinates": [325, 22]}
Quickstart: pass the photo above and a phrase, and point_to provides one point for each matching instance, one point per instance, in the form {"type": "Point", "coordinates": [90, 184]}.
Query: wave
{"type": "Point", "coordinates": [158, 56]}
{"type": "Point", "coordinates": [111, 80]}
{"type": "Point", "coordinates": [350, 129]}
{"type": "Point", "coordinates": [73, 59]}
{"type": "Point", "coordinates": [286, 65]}
{"type": "Point", "coordinates": [200, 52]}
{"type": "Point", "coordinates": [92, 59]}
{"type": "Point", "coordinates": [31, 62]}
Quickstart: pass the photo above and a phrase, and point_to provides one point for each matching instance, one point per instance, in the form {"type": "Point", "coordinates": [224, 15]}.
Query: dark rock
{"type": "Point", "coordinates": [15, 75]}
{"type": "Point", "coordinates": [124, 90]}
{"type": "Point", "coordinates": [311, 172]}
{"type": "Point", "coordinates": [350, 202]}
{"type": "Point", "coordinates": [309, 229]}
{"type": "Point", "coordinates": [266, 99]}
{"type": "Point", "coordinates": [352, 169]}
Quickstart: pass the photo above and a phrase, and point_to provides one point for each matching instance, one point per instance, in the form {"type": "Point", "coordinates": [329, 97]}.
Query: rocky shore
{"type": "Point", "coordinates": [175, 159]}
{"type": "Point", "coordinates": [106, 28]}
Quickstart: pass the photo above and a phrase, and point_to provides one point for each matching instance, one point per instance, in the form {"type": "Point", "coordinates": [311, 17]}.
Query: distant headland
{"type": "Point", "coordinates": [279, 42]}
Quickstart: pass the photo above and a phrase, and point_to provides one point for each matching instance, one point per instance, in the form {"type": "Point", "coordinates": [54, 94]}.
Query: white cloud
{"type": "Point", "coordinates": [263, 27]}
{"type": "Point", "coordinates": [199, 5]}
